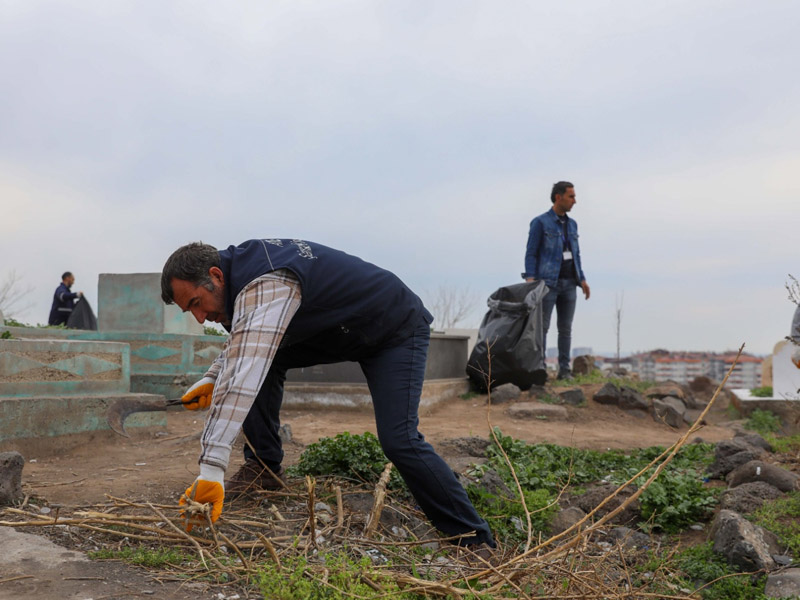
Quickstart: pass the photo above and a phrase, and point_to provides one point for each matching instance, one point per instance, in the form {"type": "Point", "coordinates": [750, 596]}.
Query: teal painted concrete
{"type": "Point", "coordinates": [51, 416]}
{"type": "Point", "coordinates": [132, 302]}
{"type": "Point", "coordinates": [63, 367]}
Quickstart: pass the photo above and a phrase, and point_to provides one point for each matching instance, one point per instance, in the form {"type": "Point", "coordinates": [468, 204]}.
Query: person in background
{"type": "Point", "coordinates": [63, 301]}
{"type": "Point", "coordinates": [554, 256]}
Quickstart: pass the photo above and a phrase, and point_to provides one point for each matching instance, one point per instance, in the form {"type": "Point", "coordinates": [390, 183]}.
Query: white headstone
{"type": "Point", "coordinates": [785, 375]}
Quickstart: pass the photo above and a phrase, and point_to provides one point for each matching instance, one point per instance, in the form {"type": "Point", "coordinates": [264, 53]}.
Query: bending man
{"type": "Point", "coordinates": [290, 304]}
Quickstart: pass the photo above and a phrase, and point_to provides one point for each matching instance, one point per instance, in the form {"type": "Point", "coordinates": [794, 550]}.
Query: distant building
{"type": "Point", "coordinates": [581, 351]}
{"type": "Point", "coordinates": [683, 367]}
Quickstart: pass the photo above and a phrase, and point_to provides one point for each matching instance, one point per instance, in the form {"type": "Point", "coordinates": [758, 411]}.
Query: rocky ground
{"type": "Point", "coordinates": [156, 466]}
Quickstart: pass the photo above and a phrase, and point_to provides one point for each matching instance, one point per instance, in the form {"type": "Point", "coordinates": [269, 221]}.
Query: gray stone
{"type": "Point", "coordinates": [583, 365]}
{"type": "Point", "coordinates": [494, 484]}
{"type": "Point", "coordinates": [595, 494]}
{"type": "Point", "coordinates": [285, 433]}
{"type": "Point", "coordinates": [11, 464]}
{"type": "Point", "coordinates": [536, 410]}
{"type": "Point", "coordinates": [505, 393]}
{"type": "Point", "coordinates": [757, 470]}
{"type": "Point", "coordinates": [565, 519]}
{"type": "Point", "coordinates": [630, 539]}
{"type": "Point", "coordinates": [785, 584]}
{"type": "Point", "coordinates": [669, 410]}
{"type": "Point", "coordinates": [691, 415]}
{"type": "Point", "coordinates": [573, 397]}
{"type": "Point", "coordinates": [730, 454]}
{"type": "Point", "coordinates": [748, 497]}
{"type": "Point", "coordinates": [754, 440]}
{"type": "Point", "coordinates": [668, 388]}
{"type": "Point", "coordinates": [743, 544]}
{"type": "Point", "coordinates": [630, 399]}
{"type": "Point", "coordinates": [608, 394]}
{"type": "Point", "coordinates": [783, 560]}
{"type": "Point", "coordinates": [467, 446]}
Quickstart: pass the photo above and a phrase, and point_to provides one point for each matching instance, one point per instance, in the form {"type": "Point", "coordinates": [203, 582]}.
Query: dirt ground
{"type": "Point", "coordinates": [157, 465]}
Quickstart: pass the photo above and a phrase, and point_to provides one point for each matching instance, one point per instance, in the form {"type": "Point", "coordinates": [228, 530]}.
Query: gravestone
{"type": "Point", "coordinates": [132, 302]}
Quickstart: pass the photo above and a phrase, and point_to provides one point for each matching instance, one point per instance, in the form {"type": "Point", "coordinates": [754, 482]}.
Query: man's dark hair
{"type": "Point", "coordinates": [559, 189]}
{"type": "Point", "coordinates": [189, 263]}
{"type": "Point", "coordinates": [65, 275]}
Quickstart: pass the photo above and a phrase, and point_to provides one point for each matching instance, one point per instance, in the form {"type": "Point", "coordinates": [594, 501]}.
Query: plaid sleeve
{"type": "Point", "coordinates": [261, 313]}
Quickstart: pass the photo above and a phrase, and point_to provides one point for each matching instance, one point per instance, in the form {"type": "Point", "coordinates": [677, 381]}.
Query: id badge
{"type": "Point", "coordinates": [567, 254]}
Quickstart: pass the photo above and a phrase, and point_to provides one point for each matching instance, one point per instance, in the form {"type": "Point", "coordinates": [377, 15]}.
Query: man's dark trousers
{"type": "Point", "coordinates": [394, 375]}
{"type": "Point", "coordinates": [563, 297]}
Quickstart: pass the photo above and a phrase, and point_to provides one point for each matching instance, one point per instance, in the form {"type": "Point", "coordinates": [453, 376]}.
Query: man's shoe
{"type": "Point", "coordinates": [565, 375]}
{"type": "Point", "coordinates": [253, 477]}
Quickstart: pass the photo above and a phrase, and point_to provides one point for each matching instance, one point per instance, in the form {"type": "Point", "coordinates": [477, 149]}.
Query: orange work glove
{"type": "Point", "coordinates": [199, 395]}
{"type": "Point", "coordinates": [207, 488]}
{"type": "Point", "coordinates": [796, 358]}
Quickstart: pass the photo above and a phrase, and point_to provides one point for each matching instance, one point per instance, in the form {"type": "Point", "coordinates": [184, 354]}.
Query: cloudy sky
{"type": "Point", "coordinates": [422, 136]}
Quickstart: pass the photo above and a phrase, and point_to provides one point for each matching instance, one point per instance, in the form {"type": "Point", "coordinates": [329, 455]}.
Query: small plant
{"type": "Point", "coordinates": [6, 335]}
{"type": "Point", "coordinates": [700, 565]}
{"type": "Point", "coordinates": [213, 331]}
{"type": "Point", "coordinates": [468, 395]}
{"type": "Point", "coordinates": [765, 391]}
{"type": "Point", "coordinates": [763, 421]}
{"type": "Point", "coordinates": [782, 517]}
{"type": "Point", "coordinates": [143, 556]}
{"type": "Point", "coordinates": [550, 399]}
{"type": "Point", "coordinates": [349, 456]}
{"type": "Point", "coordinates": [784, 444]}
{"type": "Point", "coordinates": [10, 322]}
{"type": "Point", "coordinates": [344, 578]}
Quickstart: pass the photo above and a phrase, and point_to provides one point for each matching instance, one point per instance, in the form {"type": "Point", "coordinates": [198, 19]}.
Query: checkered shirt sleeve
{"type": "Point", "coordinates": [261, 313]}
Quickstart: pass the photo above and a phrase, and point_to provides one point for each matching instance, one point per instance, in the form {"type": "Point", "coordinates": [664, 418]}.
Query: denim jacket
{"type": "Point", "coordinates": [545, 249]}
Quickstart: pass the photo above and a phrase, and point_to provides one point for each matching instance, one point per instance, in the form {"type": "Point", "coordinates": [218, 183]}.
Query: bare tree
{"type": "Point", "coordinates": [450, 305]}
{"type": "Point", "coordinates": [793, 288]}
{"type": "Point", "coordinates": [618, 318]}
{"type": "Point", "coordinates": [12, 295]}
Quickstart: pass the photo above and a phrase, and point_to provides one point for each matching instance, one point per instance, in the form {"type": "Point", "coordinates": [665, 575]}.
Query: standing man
{"type": "Point", "coordinates": [290, 304]}
{"type": "Point", "coordinates": [554, 256]}
{"type": "Point", "coordinates": [63, 301]}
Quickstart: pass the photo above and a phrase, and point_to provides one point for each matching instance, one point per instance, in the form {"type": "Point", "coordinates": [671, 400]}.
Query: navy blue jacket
{"type": "Point", "coordinates": [348, 306]}
{"type": "Point", "coordinates": [63, 303]}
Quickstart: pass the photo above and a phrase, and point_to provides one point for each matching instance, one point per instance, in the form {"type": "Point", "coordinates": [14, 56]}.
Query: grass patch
{"type": "Point", "coordinates": [765, 391]}
{"type": "Point", "coordinates": [782, 517]}
{"type": "Point", "coordinates": [598, 377]}
{"type": "Point", "coordinates": [700, 565]}
{"type": "Point", "coordinates": [763, 422]}
{"type": "Point", "coordinates": [142, 556]}
{"type": "Point", "coordinates": [469, 395]}
{"type": "Point", "coordinates": [784, 444]}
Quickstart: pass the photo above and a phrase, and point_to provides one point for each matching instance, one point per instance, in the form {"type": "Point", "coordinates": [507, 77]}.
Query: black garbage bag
{"type": "Point", "coordinates": [82, 316]}
{"type": "Point", "coordinates": [512, 333]}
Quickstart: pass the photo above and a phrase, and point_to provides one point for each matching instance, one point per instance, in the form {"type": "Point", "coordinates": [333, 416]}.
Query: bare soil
{"type": "Point", "coordinates": [156, 466]}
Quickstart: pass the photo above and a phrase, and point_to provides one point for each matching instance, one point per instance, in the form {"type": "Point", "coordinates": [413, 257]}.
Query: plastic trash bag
{"type": "Point", "coordinates": [511, 335]}
{"type": "Point", "coordinates": [82, 316]}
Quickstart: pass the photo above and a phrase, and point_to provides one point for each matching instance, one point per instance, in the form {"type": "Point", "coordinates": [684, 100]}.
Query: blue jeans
{"type": "Point", "coordinates": [563, 297]}
{"type": "Point", "coordinates": [394, 376]}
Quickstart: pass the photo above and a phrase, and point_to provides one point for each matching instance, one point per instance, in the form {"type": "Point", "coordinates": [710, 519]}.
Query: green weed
{"type": "Point", "coordinates": [782, 517]}
{"type": "Point", "coordinates": [762, 392]}
{"type": "Point", "coordinates": [763, 421]}
{"type": "Point", "coordinates": [469, 395]}
{"type": "Point", "coordinates": [142, 556]}
{"type": "Point", "coordinates": [348, 456]}
{"type": "Point", "coordinates": [784, 444]}
{"type": "Point", "coordinates": [700, 565]}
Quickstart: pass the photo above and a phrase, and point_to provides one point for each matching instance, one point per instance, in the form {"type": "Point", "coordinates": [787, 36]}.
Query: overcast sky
{"type": "Point", "coordinates": [423, 137]}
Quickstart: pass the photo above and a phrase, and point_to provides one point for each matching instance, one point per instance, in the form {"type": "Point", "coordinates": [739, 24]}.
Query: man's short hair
{"type": "Point", "coordinates": [65, 275]}
{"type": "Point", "coordinates": [189, 263]}
{"type": "Point", "coordinates": [559, 189]}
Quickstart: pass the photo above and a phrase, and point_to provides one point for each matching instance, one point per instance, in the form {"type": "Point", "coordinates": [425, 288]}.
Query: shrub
{"type": "Point", "coordinates": [701, 565]}
{"type": "Point", "coordinates": [349, 456]}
